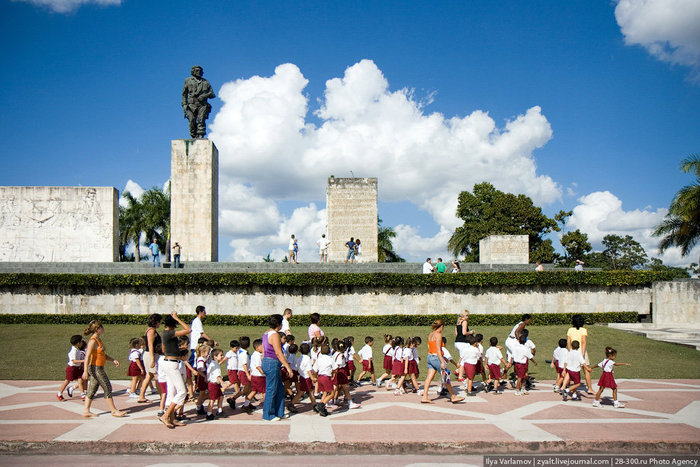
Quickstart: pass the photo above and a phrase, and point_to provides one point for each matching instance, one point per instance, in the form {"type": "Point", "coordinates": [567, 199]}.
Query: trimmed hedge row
{"type": "Point", "coordinates": [219, 280]}
{"type": "Point", "coordinates": [331, 320]}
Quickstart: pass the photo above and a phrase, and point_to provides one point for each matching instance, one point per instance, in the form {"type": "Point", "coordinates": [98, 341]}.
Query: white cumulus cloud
{"type": "Point", "coordinates": [601, 213]}
{"type": "Point", "coordinates": [668, 29]}
{"type": "Point", "coordinates": [66, 6]}
{"type": "Point", "coordinates": [271, 150]}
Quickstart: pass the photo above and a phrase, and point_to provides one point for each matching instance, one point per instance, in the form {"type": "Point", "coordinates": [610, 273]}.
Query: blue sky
{"type": "Point", "coordinates": [584, 106]}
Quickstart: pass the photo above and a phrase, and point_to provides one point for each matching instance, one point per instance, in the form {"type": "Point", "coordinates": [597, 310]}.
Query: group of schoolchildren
{"type": "Point", "coordinates": [324, 370]}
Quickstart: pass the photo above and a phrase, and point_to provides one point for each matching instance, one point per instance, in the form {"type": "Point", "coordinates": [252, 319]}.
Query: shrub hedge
{"type": "Point", "coordinates": [219, 280]}
{"type": "Point", "coordinates": [330, 320]}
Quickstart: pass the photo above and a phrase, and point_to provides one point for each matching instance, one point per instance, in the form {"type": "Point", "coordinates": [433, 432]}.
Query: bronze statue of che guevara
{"type": "Point", "coordinates": [194, 101]}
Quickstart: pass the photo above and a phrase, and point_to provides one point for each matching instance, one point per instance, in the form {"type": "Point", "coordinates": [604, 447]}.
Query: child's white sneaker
{"type": "Point", "coordinates": [596, 403]}
{"type": "Point", "coordinates": [354, 405]}
{"type": "Point", "coordinates": [525, 392]}
{"type": "Point", "coordinates": [518, 393]}
{"type": "Point", "coordinates": [618, 405]}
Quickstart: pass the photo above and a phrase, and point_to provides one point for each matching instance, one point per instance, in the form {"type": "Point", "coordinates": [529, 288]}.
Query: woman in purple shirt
{"type": "Point", "coordinates": [272, 362]}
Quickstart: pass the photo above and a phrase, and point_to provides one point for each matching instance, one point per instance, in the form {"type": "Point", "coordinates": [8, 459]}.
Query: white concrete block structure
{"type": "Point", "coordinates": [504, 249]}
{"type": "Point", "coordinates": [59, 224]}
{"type": "Point", "coordinates": [351, 210]}
{"type": "Point", "coordinates": [194, 199]}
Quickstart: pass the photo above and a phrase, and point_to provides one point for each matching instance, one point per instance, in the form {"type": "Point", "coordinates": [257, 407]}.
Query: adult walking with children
{"type": "Point", "coordinates": [272, 362]}
{"type": "Point", "coordinates": [436, 362]}
{"type": "Point", "coordinates": [461, 333]}
{"type": "Point", "coordinates": [171, 358]}
{"type": "Point", "coordinates": [579, 333]}
{"type": "Point", "coordinates": [151, 338]}
{"type": "Point", "coordinates": [95, 358]}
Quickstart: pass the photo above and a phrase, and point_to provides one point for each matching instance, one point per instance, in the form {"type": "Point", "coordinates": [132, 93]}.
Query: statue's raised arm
{"type": "Point", "coordinates": [195, 93]}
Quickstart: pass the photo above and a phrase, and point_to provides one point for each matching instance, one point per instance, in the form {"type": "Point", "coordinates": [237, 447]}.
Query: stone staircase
{"type": "Point", "coordinates": [688, 335]}
{"type": "Point", "coordinates": [145, 267]}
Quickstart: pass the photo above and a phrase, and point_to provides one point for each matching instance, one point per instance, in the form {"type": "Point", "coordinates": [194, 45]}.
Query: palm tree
{"type": "Point", "coordinates": [385, 249]}
{"type": "Point", "coordinates": [681, 226]}
{"type": "Point", "coordinates": [156, 217]}
{"type": "Point", "coordinates": [131, 223]}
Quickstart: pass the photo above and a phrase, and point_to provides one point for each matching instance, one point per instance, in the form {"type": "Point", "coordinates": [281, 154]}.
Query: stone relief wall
{"type": "Point", "coordinates": [351, 210]}
{"type": "Point", "coordinates": [504, 249]}
{"type": "Point", "coordinates": [67, 224]}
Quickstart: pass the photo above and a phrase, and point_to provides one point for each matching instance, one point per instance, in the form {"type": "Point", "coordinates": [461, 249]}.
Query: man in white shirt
{"type": "Point", "coordinates": [428, 267]}
{"type": "Point", "coordinates": [197, 331]}
{"type": "Point", "coordinates": [323, 248]}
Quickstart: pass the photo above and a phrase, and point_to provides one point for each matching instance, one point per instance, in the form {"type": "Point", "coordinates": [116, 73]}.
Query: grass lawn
{"type": "Point", "coordinates": [47, 348]}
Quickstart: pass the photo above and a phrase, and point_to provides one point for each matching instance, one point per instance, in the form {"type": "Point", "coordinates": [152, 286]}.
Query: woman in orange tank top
{"type": "Point", "coordinates": [436, 362]}
{"type": "Point", "coordinates": [94, 372]}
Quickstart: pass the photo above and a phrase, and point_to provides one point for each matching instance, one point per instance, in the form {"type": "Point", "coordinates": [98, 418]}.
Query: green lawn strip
{"type": "Point", "coordinates": [47, 347]}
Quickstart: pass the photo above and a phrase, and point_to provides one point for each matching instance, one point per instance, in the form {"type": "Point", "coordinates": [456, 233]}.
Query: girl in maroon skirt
{"type": "Point", "coordinates": [135, 370]}
{"type": "Point", "coordinates": [398, 364]}
{"type": "Point", "coordinates": [388, 353]}
{"type": "Point", "coordinates": [607, 380]}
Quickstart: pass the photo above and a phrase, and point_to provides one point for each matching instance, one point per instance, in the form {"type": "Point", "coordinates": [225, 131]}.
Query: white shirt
{"type": "Point", "coordinates": [574, 360]}
{"type": "Point", "coordinates": [305, 366]}
{"type": "Point", "coordinates": [446, 354]}
{"type": "Point", "coordinates": [415, 354]}
{"type": "Point", "coordinates": [291, 244]}
{"type": "Point", "coordinates": [407, 353]}
{"type": "Point", "coordinates": [285, 325]}
{"type": "Point", "coordinates": [242, 359]}
{"type": "Point", "coordinates": [201, 364]}
{"type": "Point", "coordinates": [213, 372]}
{"type": "Point", "coordinates": [470, 354]}
{"type": "Point", "coordinates": [73, 355]}
{"type": "Point", "coordinates": [232, 360]}
{"type": "Point", "coordinates": [530, 345]}
{"type": "Point", "coordinates": [559, 355]}
{"type": "Point", "coordinates": [351, 352]}
{"type": "Point", "coordinates": [521, 353]}
{"type": "Point", "coordinates": [314, 353]}
{"type": "Point", "coordinates": [512, 332]}
{"type": "Point", "coordinates": [134, 355]}
{"type": "Point", "coordinates": [493, 356]}
{"type": "Point", "coordinates": [365, 352]}
{"type": "Point", "coordinates": [427, 268]}
{"type": "Point", "coordinates": [292, 360]}
{"type": "Point", "coordinates": [323, 365]}
{"type": "Point", "coordinates": [160, 370]}
{"type": "Point", "coordinates": [255, 362]}
{"type": "Point", "coordinates": [388, 350]}
{"type": "Point", "coordinates": [196, 330]}
{"type": "Point", "coordinates": [607, 365]}
{"type": "Point", "coordinates": [398, 353]}
{"type": "Point", "coordinates": [339, 361]}
{"type": "Point", "coordinates": [183, 369]}
{"type": "Point", "coordinates": [322, 243]}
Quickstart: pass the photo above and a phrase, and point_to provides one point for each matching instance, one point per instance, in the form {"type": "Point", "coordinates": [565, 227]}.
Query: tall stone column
{"type": "Point", "coordinates": [351, 210]}
{"type": "Point", "coordinates": [194, 199]}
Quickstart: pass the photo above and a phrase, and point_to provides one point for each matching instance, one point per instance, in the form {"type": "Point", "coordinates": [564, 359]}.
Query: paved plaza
{"type": "Point", "coordinates": [661, 415]}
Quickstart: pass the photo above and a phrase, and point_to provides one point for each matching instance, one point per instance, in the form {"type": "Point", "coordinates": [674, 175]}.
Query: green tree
{"type": "Point", "coordinates": [656, 264]}
{"type": "Point", "coordinates": [681, 226]}
{"type": "Point", "coordinates": [624, 252]}
{"type": "Point", "coordinates": [385, 248]}
{"type": "Point", "coordinates": [576, 246]}
{"type": "Point", "coordinates": [131, 223]}
{"type": "Point", "coordinates": [268, 259]}
{"type": "Point", "coordinates": [488, 211]}
{"type": "Point", "coordinates": [156, 217]}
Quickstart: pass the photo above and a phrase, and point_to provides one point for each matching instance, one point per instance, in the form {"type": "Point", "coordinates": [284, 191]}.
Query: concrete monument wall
{"type": "Point", "coordinates": [194, 199]}
{"type": "Point", "coordinates": [256, 300]}
{"type": "Point", "coordinates": [504, 249]}
{"type": "Point", "coordinates": [351, 210]}
{"type": "Point", "coordinates": [59, 224]}
{"type": "Point", "coordinates": [676, 303]}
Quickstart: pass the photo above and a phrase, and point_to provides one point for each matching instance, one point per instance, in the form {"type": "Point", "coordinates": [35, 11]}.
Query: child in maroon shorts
{"type": "Point", "coordinates": [572, 366]}
{"type": "Point", "coordinates": [305, 384]}
{"type": "Point", "coordinates": [365, 354]}
{"type": "Point", "coordinates": [243, 372]}
{"type": "Point", "coordinates": [494, 359]}
{"type": "Point", "coordinates": [214, 384]}
{"type": "Point", "coordinates": [74, 368]}
{"type": "Point", "coordinates": [521, 357]}
{"type": "Point", "coordinates": [135, 370]}
{"type": "Point", "coordinates": [257, 383]}
{"type": "Point", "coordinates": [388, 356]}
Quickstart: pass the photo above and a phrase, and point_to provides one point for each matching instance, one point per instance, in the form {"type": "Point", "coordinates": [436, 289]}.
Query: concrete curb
{"type": "Point", "coordinates": [288, 448]}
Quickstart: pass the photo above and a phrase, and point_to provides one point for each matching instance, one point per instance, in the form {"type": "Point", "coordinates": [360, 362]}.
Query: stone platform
{"type": "Point", "coordinates": [687, 335]}
{"type": "Point", "coordinates": [145, 267]}
{"type": "Point", "coordinates": [662, 416]}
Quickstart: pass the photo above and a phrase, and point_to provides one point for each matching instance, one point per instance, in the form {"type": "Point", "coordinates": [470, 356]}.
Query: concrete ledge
{"type": "Point", "coordinates": [378, 448]}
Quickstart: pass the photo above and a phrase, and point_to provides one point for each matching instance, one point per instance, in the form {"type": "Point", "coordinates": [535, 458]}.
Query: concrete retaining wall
{"type": "Point", "coordinates": [676, 303]}
{"type": "Point", "coordinates": [254, 300]}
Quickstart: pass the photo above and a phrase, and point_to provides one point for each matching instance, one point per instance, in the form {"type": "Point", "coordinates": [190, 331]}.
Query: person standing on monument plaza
{"type": "Point", "coordinates": [323, 248]}
{"type": "Point", "coordinates": [351, 251]}
{"type": "Point", "coordinates": [195, 93]}
{"type": "Point", "coordinates": [440, 267]}
{"type": "Point", "coordinates": [198, 331]}
{"type": "Point", "coordinates": [428, 267]}
{"type": "Point", "coordinates": [358, 250]}
{"type": "Point", "coordinates": [292, 250]}
{"type": "Point", "coordinates": [176, 256]}
{"type": "Point", "coordinates": [155, 251]}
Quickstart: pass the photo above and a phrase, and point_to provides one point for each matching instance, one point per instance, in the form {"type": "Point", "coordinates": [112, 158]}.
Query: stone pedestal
{"type": "Point", "coordinates": [59, 224]}
{"type": "Point", "coordinates": [351, 209]}
{"type": "Point", "coordinates": [194, 199]}
{"type": "Point", "coordinates": [504, 249]}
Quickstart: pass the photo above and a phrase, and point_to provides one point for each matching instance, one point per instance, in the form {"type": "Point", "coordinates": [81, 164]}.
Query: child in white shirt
{"type": "Point", "coordinates": [232, 368]}
{"type": "Point", "coordinates": [74, 368]}
{"type": "Point", "coordinates": [469, 358]}
{"type": "Point", "coordinates": [305, 384]}
{"type": "Point", "coordinates": [324, 369]}
{"type": "Point", "coordinates": [257, 377]}
{"type": "Point", "coordinates": [494, 359]}
{"type": "Point", "coordinates": [243, 372]}
{"type": "Point", "coordinates": [365, 354]}
{"type": "Point", "coordinates": [214, 384]}
{"type": "Point", "coordinates": [388, 357]}
{"type": "Point", "coordinates": [521, 358]}
{"type": "Point", "coordinates": [558, 359]}
{"type": "Point", "coordinates": [572, 365]}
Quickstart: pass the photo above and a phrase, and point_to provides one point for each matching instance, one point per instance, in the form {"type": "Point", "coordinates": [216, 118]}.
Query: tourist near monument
{"type": "Point", "coordinates": [195, 93]}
